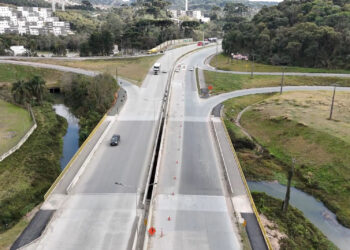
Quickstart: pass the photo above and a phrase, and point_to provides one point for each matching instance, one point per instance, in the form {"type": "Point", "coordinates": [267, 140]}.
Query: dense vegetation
{"type": "Point", "coordinates": [29, 92]}
{"type": "Point", "coordinates": [89, 99]}
{"type": "Point", "coordinates": [309, 33]}
{"type": "Point", "coordinates": [27, 174]}
{"type": "Point", "coordinates": [302, 234]}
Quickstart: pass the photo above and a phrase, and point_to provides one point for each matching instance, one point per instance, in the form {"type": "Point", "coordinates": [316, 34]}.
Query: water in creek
{"type": "Point", "coordinates": [71, 138]}
{"type": "Point", "coordinates": [314, 210]}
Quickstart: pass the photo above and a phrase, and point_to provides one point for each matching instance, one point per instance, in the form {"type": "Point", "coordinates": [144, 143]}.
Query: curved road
{"type": "Point", "coordinates": [191, 205]}
{"type": "Point", "coordinates": [205, 65]}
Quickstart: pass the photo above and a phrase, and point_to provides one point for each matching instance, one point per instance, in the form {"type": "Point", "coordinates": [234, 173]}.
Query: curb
{"type": "Point", "coordinates": [49, 191]}
{"type": "Point", "coordinates": [247, 188]}
{"type": "Point", "coordinates": [88, 158]}
{"type": "Point", "coordinates": [22, 140]}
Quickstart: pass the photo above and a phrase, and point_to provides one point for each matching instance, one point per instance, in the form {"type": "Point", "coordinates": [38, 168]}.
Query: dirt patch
{"type": "Point", "coordinates": [272, 232]}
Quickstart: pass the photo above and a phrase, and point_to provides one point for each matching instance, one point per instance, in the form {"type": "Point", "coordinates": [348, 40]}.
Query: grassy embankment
{"type": "Point", "coordinates": [14, 124]}
{"type": "Point", "coordinates": [133, 69]}
{"type": "Point", "coordinates": [296, 125]}
{"type": "Point", "coordinates": [27, 174]}
{"type": "Point", "coordinates": [301, 233]}
{"type": "Point", "coordinates": [10, 73]}
{"type": "Point", "coordinates": [224, 82]}
{"type": "Point", "coordinates": [225, 63]}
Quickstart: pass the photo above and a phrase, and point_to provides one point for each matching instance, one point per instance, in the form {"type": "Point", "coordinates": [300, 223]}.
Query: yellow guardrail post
{"type": "Point", "coordinates": [247, 187]}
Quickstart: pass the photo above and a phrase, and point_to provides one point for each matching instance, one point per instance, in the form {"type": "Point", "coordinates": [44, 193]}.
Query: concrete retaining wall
{"type": "Point", "coordinates": [23, 139]}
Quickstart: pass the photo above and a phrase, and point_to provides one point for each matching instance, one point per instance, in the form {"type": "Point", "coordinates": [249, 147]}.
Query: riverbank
{"type": "Point", "coordinates": [301, 233]}
{"type": "Point", "coordinates": [26, 175]}
{"type": "Point", "coordinates": [295, 125]}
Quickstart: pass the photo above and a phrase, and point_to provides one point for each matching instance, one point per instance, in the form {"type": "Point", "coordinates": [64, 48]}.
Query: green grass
{"type": "Point", "coordinates": [295, 125]}
{"type": "Point", "coordinates": [233, 107]}
{"type": "Point", "coordinates": [224, 82]}
{"type": "Point", "coordinates": [302, 234]}
{"type": "Point", "coordinates": [14, 124]}
{"type": "Point", "coordinates": [133, 69]}
{"type": "Point", "coordinates": [225, 63]}
{"type": "Point", "coordinates": [27, 174]}
{"type": "Point", "coordinates": [8, 237]}
{"type": "Point", "coordinates": [10, 73]}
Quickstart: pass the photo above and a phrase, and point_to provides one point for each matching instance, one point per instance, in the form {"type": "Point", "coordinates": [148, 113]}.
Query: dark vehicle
{"type": "Point", "coordinates": [115, 140]}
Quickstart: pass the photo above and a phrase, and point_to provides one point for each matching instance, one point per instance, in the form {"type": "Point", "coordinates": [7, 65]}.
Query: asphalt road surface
{"type": "Point", "coordinates": [100, 209]}
{"type": "Point", "coordinates": [190, 209]}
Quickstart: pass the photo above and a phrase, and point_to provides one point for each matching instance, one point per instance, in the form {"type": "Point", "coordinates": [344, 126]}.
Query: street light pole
{"type": "Point", "coordinates": [332, 105]}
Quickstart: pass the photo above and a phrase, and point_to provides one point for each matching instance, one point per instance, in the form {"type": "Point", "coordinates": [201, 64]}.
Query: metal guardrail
{"type": "Point", "coordinates": [247, 188]}
{"type": "Point", "coordinates": [23, 139]}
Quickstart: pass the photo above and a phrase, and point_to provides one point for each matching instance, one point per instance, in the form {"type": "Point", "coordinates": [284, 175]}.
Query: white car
{"type": "Point", "coordinates": [190, 69]}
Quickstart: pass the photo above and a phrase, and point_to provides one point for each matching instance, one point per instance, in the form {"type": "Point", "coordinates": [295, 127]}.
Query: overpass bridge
{"type": "Point", "coordinates": [168, 147]}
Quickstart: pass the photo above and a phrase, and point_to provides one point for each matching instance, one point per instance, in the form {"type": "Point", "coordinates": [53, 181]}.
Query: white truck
{"type": "Point", "coordinates": [156, 68]}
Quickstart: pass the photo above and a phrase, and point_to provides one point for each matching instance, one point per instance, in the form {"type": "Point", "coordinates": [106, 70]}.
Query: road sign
{"type": "Point", "coordinates": [210, 87]}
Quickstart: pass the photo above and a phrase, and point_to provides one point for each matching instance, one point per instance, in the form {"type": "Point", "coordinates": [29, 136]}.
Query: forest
{"type": "Point", "coordinates": [307, 33]}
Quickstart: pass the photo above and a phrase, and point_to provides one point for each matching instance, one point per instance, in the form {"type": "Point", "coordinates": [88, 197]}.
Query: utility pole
{"type": "Point", "coordinates": [332, 105]}
{"type": "Point", "coordinates": [290, 176]}
{"type": "Point", "coordinates": [282, 81]}
{"type": "Point", "coordinates": [252, 72]}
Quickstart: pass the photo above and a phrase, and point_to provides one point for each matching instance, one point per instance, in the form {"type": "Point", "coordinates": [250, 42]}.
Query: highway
{"type": "Point", "coordinates": [97, 206]}
{"type": "Point", "coordinates": [190, 207]}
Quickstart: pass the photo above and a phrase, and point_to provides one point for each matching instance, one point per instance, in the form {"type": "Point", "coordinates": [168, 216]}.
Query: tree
{"type": "Point", "coordinates": [84, 49]}
{"type": "Point", "coordinates": [59, 49]}
{"type": "Point", "coordinates": [86, 3]}
{"type": "Point", "coordinates": [21, 92]}
{"type": "Point", "coordinates": [108, 42]}
{"type": "Point", "coordinates": [36, 85]}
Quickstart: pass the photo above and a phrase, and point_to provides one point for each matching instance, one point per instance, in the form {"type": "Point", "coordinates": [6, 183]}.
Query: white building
{"type": "Point", "coordinates": [18, 50]}
{"type": "Point", "coordinates": [31, 20]}
{"type": "Point", "coordinates": [192, 14]}
{"type": "Point", "coordinates": [5, 11]}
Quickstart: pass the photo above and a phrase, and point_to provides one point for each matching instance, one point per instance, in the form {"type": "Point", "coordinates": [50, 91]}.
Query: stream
{"type": "Point", "coordinates": [324, 219]}
{"type": "Point", "coordinates": [71, 138]}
